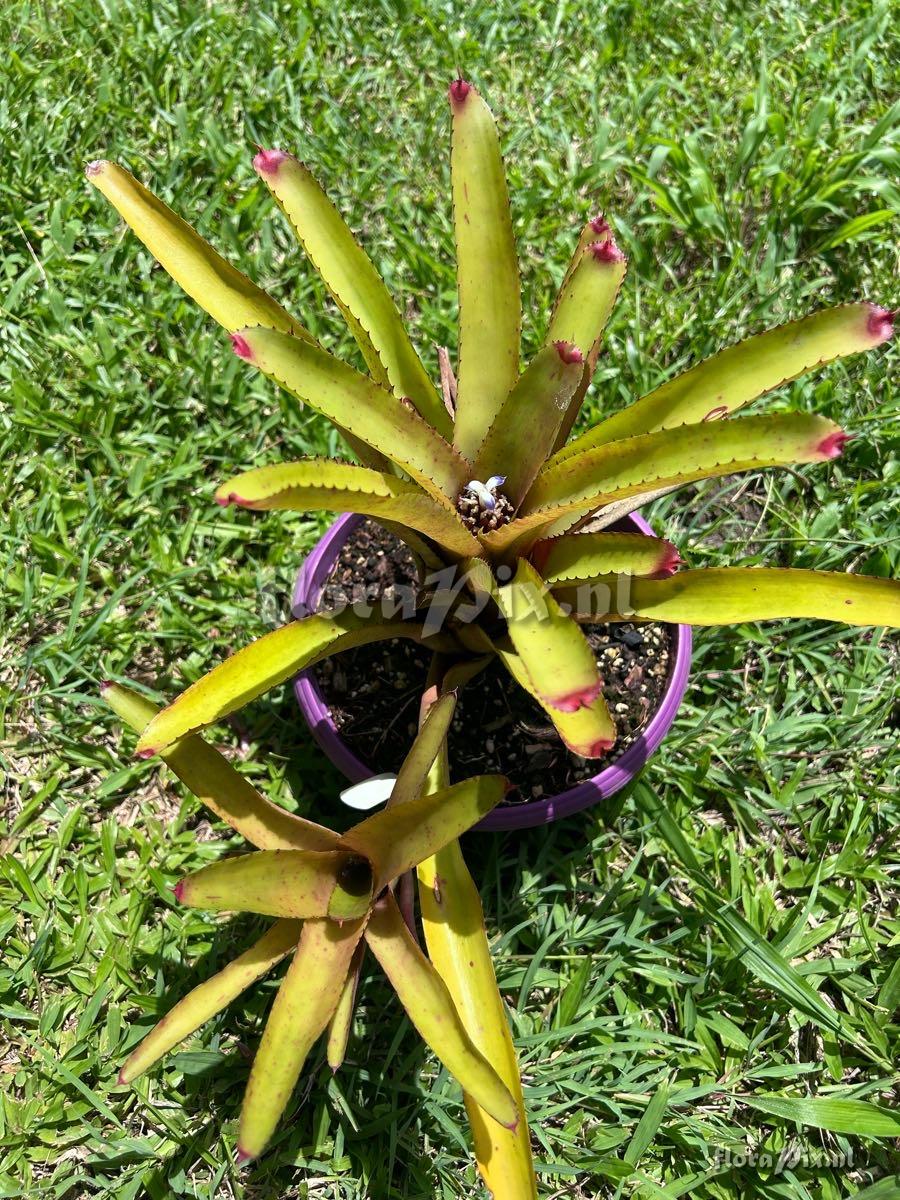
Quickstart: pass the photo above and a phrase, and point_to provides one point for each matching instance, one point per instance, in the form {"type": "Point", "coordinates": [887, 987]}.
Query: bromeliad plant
{"type": "Point", "coordinates": [485, 478]}
{"type": "Point", "coordinates": [334, 895]}
{"type": "Point", "coordinates": [481, 479]}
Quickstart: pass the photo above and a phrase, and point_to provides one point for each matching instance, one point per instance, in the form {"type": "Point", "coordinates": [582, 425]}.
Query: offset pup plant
{"type": "Point", "coordinates": [332, 896]}
{"type": "Point", "coordinates": [480, 479]}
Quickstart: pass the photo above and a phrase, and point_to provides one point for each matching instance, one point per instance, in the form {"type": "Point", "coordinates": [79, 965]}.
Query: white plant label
{"type": "Point", "coordinates": [370, 793]}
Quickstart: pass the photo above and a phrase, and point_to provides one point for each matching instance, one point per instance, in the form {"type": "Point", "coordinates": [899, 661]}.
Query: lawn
{"type": "Point", "coordinates": [725, 933]}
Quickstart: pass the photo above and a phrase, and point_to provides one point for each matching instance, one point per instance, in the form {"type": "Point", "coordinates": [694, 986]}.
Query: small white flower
{"type": "Point", "coordinates": [486, 492]}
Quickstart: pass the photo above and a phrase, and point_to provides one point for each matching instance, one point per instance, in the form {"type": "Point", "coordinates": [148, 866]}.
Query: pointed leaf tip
{"type": "Point", "coordinates": [241, 346]}
{"type": "Point", "coordinates": [607, 251]}
{"type": "Point", "coordinates": [242, 1157]}
{"type": "Point", "coordinates": [600, 226]}
{"type": "Point", "coordinates": [880, 323]}
{"type": "Point", "coordinates": [106, 685]}
{"type": "Point", "coordinates": [569, 352]}
{"type": "Point", "coordinates": [95, 168]}
{"type": "Point", "coordinates": [458, 90]}
{"type": "Point", "coordinates": [121, 1078]}
{"type": "Point", "coordinates": [146, 752]}
{"type": "Point", "coordinates": [832, 446]}
{"type": "Point", "coordinates": [178, 891]}
{"type": "Point", "coordinates": [267, 162]}
{"type": "Point", "coordinates": [669, 562]}
{"type": "Point", "coordinates": [599, 748]}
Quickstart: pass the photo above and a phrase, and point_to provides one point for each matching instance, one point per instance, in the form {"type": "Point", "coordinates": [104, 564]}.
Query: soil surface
{"type": "Point", "coordinates": [373, 691]}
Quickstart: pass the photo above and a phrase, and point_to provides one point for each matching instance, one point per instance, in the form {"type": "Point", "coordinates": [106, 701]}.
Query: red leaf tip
{"type": "Point", "coordinates": [600, 225]}
{"type": "Point", "coordinates": [880, 322]}
{"type": "Point", "coordinates": [599, 748]}
{"type": "Point", "coordinates": [607, 251]}
{"type": "Point", "coordinates": [568, 352]}
{"type": "Point", "coordinates": [147, 752]}
{"type": "Point", "coordinates": [240, 346]}
{"type": "Point", "coordinates": [178, 891]}
{"type": "Point", "coordinates": [120, 1078]}
{"type": "Point", "coordinates": [833, 445]}
{"type": "Point", "coordinates": [458, 90]}
{"type": "Point", "coordinates": [581, 698]}
{"type": "Point", "coordinates": [95, 168]}
{"type": "Point", "coordinates": [106, 685]}
{"type": "Point", "coordinates": [669, 560]}
{"type": "Point", "coordinates": [242, 1156]}
{"type": "Point", "coordinates": [267, 162]}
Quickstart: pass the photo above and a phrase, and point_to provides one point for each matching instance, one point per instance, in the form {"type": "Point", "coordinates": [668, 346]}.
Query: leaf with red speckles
{"type": "Point", "coordinates": [211, 996]}
{"type": "Point", "coordinates": [490, 310]}
{"type": "Point", "coordinates": [430, 1007]}
{"type": "Point", "coordinates": [398, 838]}
{"type": "Point", "coordinates": [732, 378]}
{"type": "Point", "coordinates": [730, 595]}
{"type": "Point", "coordinates": [341, 1023]}
{"type": "Point", "coordinates": [353, 282]}
{"type": "Point", "coordinates": [322, 484]}
{"type": "Point", "coordinates": [306, 1000]}
{"type": "Point", "coordinates": [524, 429]}
{"type": "Point", "coordinates": [282, 883]}
{"type": "Point", "coordinates": [228, 296]}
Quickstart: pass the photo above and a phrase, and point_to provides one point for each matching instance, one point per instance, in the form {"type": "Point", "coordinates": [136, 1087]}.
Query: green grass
{"type": "Point", "coordinates": [729, 930]}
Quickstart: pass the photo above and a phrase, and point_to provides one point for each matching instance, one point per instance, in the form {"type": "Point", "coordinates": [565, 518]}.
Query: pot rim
{"type": "Point", "coordinates": [308, 587]}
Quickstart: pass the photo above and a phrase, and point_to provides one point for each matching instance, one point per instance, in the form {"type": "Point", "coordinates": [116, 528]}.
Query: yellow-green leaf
{"type": "Point", "coordinates": [424, 750]}
{"type": "Point", "coordinates": [228, 296]}
{"type": "Point", "coordinates": [263, 665]}
{"type": "Point", "coordinates": [555, 653]}
{"type": "Point", "coordinates": [581, 483]}
{"type": "Point", "coordinates": [524, 430]}
{"type": "Point", "coordinates": [458, 947]}
{"type": "Point", "coordinates": [455, 935]}
{"type": "Point", "coordinates": [211, 996]}
{"type": "Point", "coordinates": [729, 595]}
{"type": "Point", "coordinates": [321, 483]}
{"type": "Point", "coordinates": [282, 883]}
{"type": "Point", "coordinates": [733, 377]}
{"type": "Point", "coordinates": [398, 838]}
{"type": "Point", "coordinates": [216, 783]}
{"type": "Point", "coordinates": [588, 731]}
{"type": "Point", "coordinates": [341, 1022]}
{"type": "Point", "coordinates": [588, 295]}
{"type": "Point", "coordinates": [353, 282]}
{"type": "Point", "coordinates": [577, 557]}
{"type": "Point", "coordinates": [356, 403]}
{"type": "Point", "coordinates": [427, 1001]}
{"type": "Point", "coordinates": [487, 270]}
{"type": "Point", "coordinates": [306, 1000]}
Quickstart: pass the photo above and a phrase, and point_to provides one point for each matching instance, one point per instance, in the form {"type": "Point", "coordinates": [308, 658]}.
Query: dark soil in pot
{"type": "Point", "coordinates": [373, 691]}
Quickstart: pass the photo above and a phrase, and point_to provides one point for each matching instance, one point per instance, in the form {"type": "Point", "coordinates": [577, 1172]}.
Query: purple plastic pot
{"type": "Point", "coordinates": [307, 591]}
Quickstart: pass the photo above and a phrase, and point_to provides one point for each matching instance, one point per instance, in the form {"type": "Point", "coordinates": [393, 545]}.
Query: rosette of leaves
{"type": "Point", "coordinates": [485, 475]}
{"type": "Point", "coordinates": [332, 896]}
